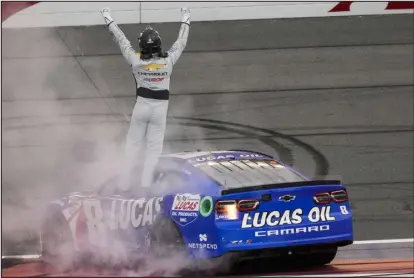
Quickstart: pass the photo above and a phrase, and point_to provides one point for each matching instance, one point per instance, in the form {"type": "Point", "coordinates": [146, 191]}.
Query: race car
{"type": "Point", "coordinates": [207, 204]}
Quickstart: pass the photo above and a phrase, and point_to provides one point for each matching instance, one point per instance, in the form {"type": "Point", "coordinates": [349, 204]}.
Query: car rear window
{"type": "Point", "coordinates": [252, 172]}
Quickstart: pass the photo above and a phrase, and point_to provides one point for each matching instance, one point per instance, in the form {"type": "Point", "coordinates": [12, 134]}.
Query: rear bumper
{"type": "Point", "coordinates": [233, 240]}
{"type": "Point", "coordinates": [261, 253]}
{"type": "Point", "coordinates": [336, 240]}
{"type": "Point", "coordinates": [271, 248]}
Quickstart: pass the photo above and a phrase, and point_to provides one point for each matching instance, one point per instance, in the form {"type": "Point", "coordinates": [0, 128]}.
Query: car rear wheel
{"type": "Point", "coordinates": [167, 245]}
{"type": "Point", "coordinates": [318, 258]}
{"type": "Point", "coordinates": [165, 239]}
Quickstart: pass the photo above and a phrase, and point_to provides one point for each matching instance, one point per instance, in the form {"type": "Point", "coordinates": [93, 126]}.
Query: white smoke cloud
{"type": "Point", "coordinates": [54, 146]}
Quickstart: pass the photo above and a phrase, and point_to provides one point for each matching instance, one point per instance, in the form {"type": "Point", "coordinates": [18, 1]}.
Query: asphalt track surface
{"type": "Point", "coordinates": [330, 96]}
{"type": "Point", "coordinates": [376, 260]}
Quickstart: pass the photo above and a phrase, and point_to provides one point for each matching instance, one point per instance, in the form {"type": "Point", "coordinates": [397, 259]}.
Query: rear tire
{"type": "Point", "coordinates": [166, 245]}
{"type": "Point", "coordinates": [165, 239]}
{"type": "Point", "coordinates": [315, 259]}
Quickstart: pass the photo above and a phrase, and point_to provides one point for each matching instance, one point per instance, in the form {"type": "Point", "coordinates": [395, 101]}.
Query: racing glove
{"type": "Point", "coordinates": [185, 12]}
{"type": "Point", "coordinates": [107, 16]}
{"type": "Point", "coordinates": [181, 42]}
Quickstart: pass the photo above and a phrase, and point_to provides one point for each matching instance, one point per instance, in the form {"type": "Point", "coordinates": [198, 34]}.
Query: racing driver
{"type": "Point", "coordinates": [152, 69]}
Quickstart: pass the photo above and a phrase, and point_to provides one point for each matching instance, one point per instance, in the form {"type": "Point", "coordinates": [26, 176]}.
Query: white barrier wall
{"type": "Point", "coordinates": [48, 14]}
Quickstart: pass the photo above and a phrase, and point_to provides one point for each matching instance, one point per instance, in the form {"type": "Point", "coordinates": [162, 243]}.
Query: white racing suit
{"type": "Point", "coordinates": [149, 117]}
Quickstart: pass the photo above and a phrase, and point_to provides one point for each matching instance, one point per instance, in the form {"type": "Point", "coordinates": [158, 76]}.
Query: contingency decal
{"type": "Point", "coordinates": [206, 206]}
{"type": "Point", "coordinates": [202, 244]}
{"type": "Point", "coordinates": [185, 208]}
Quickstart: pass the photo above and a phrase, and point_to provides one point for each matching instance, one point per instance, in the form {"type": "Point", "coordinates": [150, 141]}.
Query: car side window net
{"type": "Point", "coordinates": [242, 173]}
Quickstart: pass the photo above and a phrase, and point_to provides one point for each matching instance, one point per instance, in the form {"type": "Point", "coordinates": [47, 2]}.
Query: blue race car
{"type": "Point", "coordinates": [209, 205]}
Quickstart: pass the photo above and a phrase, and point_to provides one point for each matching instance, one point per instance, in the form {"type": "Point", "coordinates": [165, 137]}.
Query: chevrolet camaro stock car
{"type": "Point", "coordinates": [210, 205]}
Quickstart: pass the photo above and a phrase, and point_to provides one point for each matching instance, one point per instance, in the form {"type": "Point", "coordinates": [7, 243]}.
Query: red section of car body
{"type": "Point", "coordinates": [10, 8]}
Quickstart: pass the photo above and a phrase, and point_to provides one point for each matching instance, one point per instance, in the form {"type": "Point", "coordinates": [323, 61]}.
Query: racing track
{"type": "Point", "coordinates": [331, 96]}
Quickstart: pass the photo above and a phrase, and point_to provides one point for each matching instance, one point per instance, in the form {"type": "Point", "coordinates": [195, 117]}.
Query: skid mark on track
{"type": "Point", "coordinates": [321, 162]}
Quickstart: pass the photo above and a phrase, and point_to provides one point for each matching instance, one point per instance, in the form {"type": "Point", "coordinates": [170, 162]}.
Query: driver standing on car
{"type": "Point", "coordinates": [152, 69]}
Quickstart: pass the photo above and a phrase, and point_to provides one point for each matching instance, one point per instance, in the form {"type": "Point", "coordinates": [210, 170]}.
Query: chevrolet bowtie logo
{"type": "Point", "coordinates": [287, 198]}
{"type": "Point", "coordinates": [154, 66]}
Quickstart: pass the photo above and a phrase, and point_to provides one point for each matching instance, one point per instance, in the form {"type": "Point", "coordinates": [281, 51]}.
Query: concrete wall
{"type": "Point", "coordinates": [87, 13]}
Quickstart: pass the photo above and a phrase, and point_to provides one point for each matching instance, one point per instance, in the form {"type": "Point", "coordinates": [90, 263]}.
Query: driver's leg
{"type": "Point", "coordinates": [135, 140]}
{"type": "Point", "coordinates": [154, 139]}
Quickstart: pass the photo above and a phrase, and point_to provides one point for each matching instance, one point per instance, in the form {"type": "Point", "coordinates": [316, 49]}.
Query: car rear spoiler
{"type": "Point", "coordinates": [280, 185]}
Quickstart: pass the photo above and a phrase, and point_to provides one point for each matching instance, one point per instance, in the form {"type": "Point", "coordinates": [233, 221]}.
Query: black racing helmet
{"type": "Point", "coordinates": [150, 41]}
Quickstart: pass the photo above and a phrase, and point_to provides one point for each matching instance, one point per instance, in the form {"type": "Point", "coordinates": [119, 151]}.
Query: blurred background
{"type": "Point", "coordinates": [331, 96]}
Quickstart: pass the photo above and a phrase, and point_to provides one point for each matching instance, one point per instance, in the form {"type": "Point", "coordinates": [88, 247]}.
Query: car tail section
{"type": "Point", "coordinates": [308, 212]}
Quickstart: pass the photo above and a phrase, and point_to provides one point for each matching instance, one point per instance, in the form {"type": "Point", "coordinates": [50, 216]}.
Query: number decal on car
{"type": "Point", "coordinates": [97, 231]}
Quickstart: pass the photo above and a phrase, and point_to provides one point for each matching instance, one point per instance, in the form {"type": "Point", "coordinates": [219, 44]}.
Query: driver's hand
{"type": "Point", "coordinates": [106, 13]}
{"type": "Point", "coordinates": [185, 12]}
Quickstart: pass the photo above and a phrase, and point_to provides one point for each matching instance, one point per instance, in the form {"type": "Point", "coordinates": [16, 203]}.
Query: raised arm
{"type": "Point", "coordinates": [124, 44]}
{"type": "Point", "coordinates": [181, 42]}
